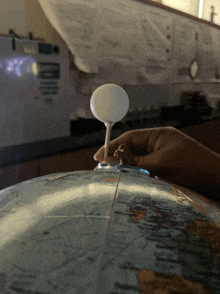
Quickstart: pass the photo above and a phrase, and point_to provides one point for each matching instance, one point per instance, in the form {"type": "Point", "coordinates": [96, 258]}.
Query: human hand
{"type": "Point", "coordinates": [169, 154]}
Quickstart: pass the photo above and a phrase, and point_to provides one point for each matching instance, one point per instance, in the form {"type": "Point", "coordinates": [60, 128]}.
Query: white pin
{"type": "Point", "coordinates": [109, 103]}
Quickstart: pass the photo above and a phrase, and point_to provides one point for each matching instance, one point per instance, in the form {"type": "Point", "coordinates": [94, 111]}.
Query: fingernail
{"type": "Point", "coordinates": [95, 157]}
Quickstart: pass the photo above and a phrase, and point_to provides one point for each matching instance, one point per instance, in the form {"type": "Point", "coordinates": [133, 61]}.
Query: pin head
{"type": "Point", "coordinates": [109, 103]}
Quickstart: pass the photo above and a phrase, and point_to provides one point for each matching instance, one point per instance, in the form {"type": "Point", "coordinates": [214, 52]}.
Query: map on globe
{"type": "Point", "coordinates": [89, 232]}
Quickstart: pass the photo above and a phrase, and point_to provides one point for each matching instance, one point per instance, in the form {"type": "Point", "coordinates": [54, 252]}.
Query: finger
{"type": "Point", "coordinates": [135, 139]}
{"type": "Point", "coordinates": [140, 141]}
{"type": "Point", "coordinates": [150, 162]}
{"type": "Point", "coordinates": [165, 163]}
{"type": "Point", "coordinates": [141, 138]}
{"type": "Point", "coordinates": [114, 144]}
{"type": "Point", "coordinates": [111, 159]}
{"type": "Point", "coordinates": [127, 157]}
{"type": "Point", "coordinates": [98, 156]}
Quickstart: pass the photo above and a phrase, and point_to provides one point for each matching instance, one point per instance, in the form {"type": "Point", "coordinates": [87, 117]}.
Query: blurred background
{"type": "Point", "coordinates": [47, 79]}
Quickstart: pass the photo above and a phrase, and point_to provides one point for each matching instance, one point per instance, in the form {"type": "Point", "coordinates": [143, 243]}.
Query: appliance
{"type": "Point", "coordinates": [33, 104]}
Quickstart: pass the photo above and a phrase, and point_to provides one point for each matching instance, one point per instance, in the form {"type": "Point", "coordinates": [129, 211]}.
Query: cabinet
{"type": "Point", "coordinates": [14, 174]}
{"type": "Point", "coordinates": [70, 161]}
{"type": "Point", "coordinates": [207, 134]}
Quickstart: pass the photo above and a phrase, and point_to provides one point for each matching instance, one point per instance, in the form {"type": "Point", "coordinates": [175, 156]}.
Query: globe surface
{"type": "Point", "coordinates": [91, 232]}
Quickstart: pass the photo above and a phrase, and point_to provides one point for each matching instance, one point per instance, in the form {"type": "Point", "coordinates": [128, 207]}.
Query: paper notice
{"type": "Point", "coordinates": [205, 53]}
{"type": "Point", "coordinates": [105, 36]}
{"type": "Point", "coordinates": [216, 37]}
{"type": "Point", "coordinates": [75, 21]}
{"type": "Point", "coordinates": [183, 49]}
{"type": "Point", "coordinates": [156, 29]}
{"type": "Point", "coordinates": [131, 42]}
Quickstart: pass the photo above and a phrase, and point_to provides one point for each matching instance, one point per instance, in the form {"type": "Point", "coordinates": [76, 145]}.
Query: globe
{"type": "Point", "coordinates": [107, 231]}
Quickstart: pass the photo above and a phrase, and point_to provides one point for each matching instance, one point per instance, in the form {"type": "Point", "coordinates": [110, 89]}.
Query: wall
{"type": "Point", "coordinates": [38, 24]}
{"type": "Point", "coordinates": [29, 17]}
{"type": "Point", "coordinates": [12, 16]}
{"type": "Point", "coordinates": [192, 7]}
{"type": "Point", "coordinates": [25, 16]}
{"type": "Point", "coordinates": [187, 6]}
{"type": "Point", "coordinates": [207, 10]}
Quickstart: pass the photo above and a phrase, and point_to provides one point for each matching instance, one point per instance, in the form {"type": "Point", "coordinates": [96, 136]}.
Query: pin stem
{"type": "Point", "coordinates": [109, 126]}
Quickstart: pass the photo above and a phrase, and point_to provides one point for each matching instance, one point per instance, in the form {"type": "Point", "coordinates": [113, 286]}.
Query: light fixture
{"type": "Point", "coordinates": [193, 69]}
{"type": "Point", "coordinates": [200, 8]}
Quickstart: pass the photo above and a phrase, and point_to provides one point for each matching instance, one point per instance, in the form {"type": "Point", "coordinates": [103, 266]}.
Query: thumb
{"type": "Point", "coordinates": [160, 166]}
{"type": "Point", "coordinates": [98, 156]}
{"type": "Point", "coordinates": [150, 162]}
